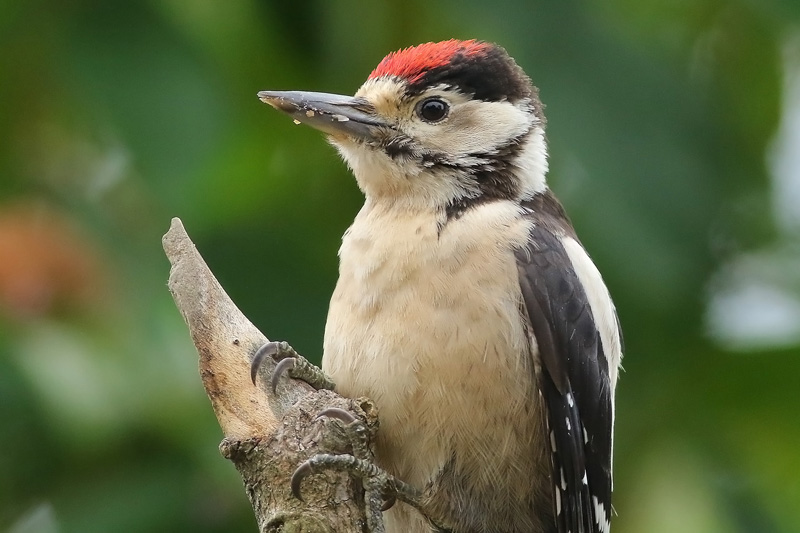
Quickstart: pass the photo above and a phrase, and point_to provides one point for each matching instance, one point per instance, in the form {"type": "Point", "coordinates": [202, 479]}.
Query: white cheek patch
{"type": "Point", "coordinates": [472, 127]}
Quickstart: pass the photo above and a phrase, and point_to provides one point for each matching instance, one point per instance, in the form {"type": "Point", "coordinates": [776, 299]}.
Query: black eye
{"type": "Point", "coordinates": [432, 109]}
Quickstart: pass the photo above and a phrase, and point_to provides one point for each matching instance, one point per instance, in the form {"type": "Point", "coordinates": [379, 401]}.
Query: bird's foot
{"type": "Point", "coordinates": [381, 489]}
{"type": "Point", "coordinates": [289, 362]}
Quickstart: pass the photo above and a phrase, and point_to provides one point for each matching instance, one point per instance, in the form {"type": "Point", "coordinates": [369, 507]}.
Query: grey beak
{"type": "Point", "coordinates": [331, 113]}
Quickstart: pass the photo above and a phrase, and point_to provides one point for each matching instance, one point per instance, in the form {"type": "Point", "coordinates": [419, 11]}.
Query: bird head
{"type": "Point", "coordinates": [439, 125]}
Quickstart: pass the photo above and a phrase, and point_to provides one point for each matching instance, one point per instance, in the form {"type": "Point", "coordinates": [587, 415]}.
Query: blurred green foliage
{"type": "Point", "coordinates": [668, 121]}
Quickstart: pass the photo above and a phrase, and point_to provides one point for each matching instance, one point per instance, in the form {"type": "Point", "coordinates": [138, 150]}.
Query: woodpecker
{"type": "Point", "coordinates": [466, 307]}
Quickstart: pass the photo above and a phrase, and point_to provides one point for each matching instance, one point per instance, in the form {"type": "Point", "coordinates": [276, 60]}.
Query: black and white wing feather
{"type": "Point", "coordinates": [573, 371]}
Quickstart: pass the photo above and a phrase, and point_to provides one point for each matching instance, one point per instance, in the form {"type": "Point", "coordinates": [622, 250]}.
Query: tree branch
{"type": "Point", "coordinates": [266, 435]}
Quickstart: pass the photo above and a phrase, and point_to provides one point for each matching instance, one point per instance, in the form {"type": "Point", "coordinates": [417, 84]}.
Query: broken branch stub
{"type": "Point", "coordinates": [266, 435]}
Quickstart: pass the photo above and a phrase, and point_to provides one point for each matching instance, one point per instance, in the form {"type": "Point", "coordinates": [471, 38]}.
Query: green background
{"type": "Point", "coordinates": [674, 130]}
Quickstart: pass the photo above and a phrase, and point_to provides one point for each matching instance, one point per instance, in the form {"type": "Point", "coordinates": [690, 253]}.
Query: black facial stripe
{"type": "Point", "coordinates": [399, 147]}
{"type": "Point", "coordinates": [492, 173]}
{"type": "Point", "coordinates": [493, 185]}
{"type": "Point", "coordinates": [402, 147]}
{"type": "Point", "coordinates": [495, 177]}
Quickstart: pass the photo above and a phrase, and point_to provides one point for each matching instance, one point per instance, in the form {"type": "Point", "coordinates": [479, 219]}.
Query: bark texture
{"type": "Point", "coordinates": [266, 435]}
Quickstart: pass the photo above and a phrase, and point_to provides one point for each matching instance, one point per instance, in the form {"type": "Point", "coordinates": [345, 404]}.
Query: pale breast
{"type": "Point", "coordinates": [427, 324]}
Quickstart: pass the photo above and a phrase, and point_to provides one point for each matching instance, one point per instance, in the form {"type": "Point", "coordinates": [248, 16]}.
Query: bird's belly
{"type": "Point", "coordinates": [435, 338]}
{"type": "Point", "coordinates": [439, 373]}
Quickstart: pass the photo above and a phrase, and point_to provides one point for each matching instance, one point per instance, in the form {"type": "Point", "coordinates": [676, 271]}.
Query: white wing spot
{"type": "Point", "coordinates": [569, 426]}
{"type": "Point", "coordinates": [600, 516]}
{"type": "Point", "coordinates": [570, 401]}
{"type": "Point", "coordinates": [558, 501]}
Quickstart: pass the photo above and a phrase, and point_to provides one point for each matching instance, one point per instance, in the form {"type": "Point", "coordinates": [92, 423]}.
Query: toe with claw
{"type": "Point", "coordinates": [381, 489]}
{"type": "Point", "coordinates": [288, 362]}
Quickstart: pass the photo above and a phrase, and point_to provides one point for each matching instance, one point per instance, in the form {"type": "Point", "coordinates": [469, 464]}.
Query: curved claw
{"type": "Point", "coordinates": [389, 503]}
{"type": "Point", "coordinates": [335, 412]}
{"type": "Point", "coordinates": [297, 478]}
{"type": "Point", "coordinates": [280, 368]}
{"type": "Point", "coordinates": [267, 350]}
